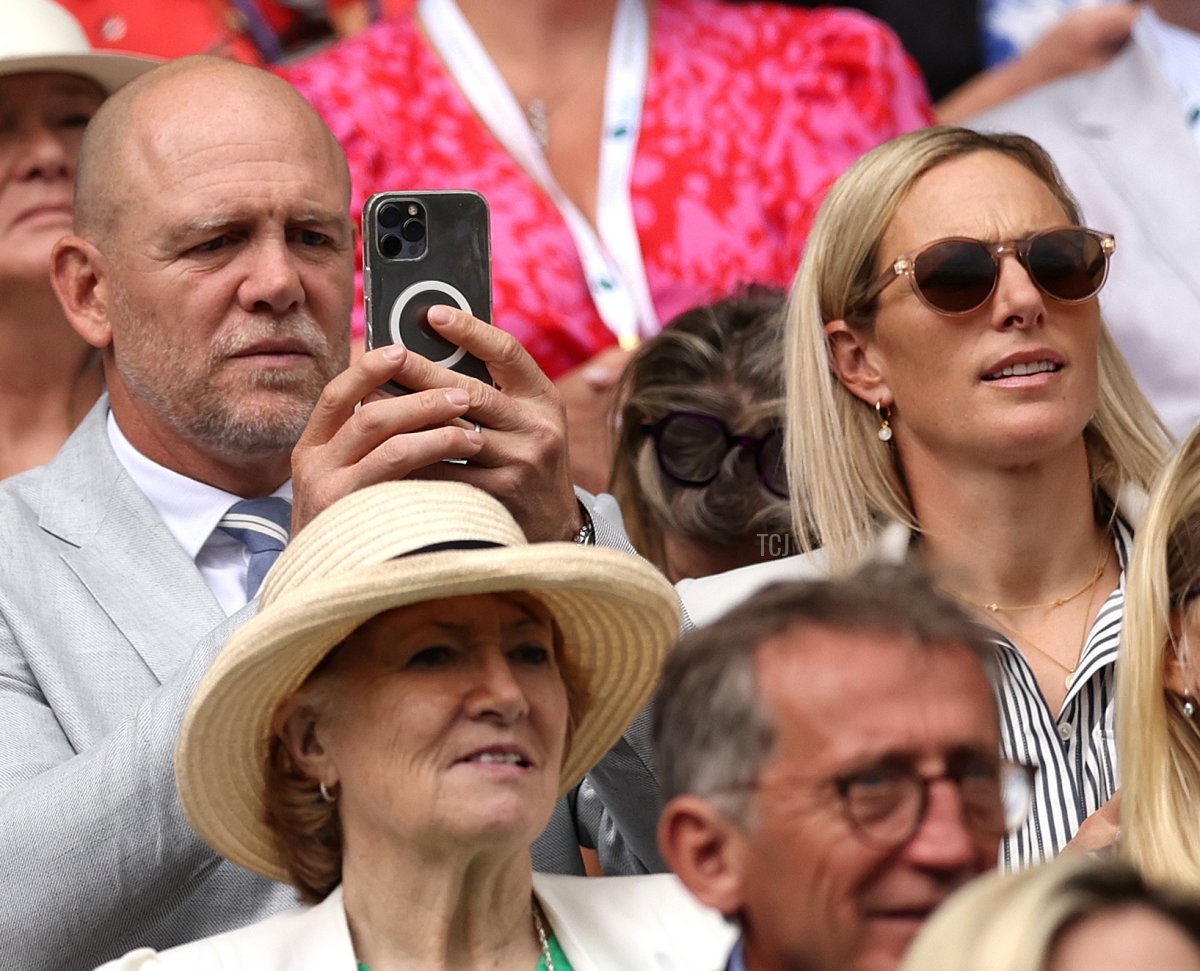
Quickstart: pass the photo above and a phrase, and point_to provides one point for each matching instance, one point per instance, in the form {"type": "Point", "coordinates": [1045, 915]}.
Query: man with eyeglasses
{"type": "Point", "coordinates": [830, 750]}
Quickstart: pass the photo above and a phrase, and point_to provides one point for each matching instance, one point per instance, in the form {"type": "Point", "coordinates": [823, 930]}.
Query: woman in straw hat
{"type": "Point", "coordinates": [393, 728]}
{"type": "Point", "coordinates": [954, 396]}
{"type": "Point", "coordinates": [51, 83]}
{"type": "Point", "coordinates": [1158, 683]}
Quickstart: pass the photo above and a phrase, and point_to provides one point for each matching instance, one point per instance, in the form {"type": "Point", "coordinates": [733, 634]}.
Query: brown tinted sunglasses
{"type": "Point", "coordinates": [958, 275]}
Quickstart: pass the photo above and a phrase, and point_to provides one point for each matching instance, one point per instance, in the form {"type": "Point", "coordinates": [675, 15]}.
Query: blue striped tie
{"type": "Point", "coordinates": [263, 526]}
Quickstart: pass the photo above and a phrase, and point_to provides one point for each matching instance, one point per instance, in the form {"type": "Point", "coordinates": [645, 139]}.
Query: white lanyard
{"type": "Point", "coordinates": [612, 261]}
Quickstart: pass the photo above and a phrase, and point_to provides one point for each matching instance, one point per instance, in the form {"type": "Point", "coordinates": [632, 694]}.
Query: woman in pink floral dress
{"type": "Point", "coordinates": [639, 158]}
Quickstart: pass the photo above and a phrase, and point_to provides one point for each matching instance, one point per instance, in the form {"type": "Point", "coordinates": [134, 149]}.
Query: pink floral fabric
{"type": "Point", "coordinates": [751, 111]}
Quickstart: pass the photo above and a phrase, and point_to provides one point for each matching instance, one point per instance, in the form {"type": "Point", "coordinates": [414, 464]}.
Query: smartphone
{"type": "Point", "coordinates": [421, 249]}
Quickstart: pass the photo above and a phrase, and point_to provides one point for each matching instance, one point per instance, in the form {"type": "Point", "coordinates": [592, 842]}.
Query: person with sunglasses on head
{"type": "Point", "coordinates": [954, 397]}
{"type": "Point", "coordinates": [698, 464]}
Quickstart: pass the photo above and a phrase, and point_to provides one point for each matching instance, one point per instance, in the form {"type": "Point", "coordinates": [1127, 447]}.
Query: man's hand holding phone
{"type": "Point", "coordinates": [422, 249]}
{"type": "Point", "coordinates": [520, 456]}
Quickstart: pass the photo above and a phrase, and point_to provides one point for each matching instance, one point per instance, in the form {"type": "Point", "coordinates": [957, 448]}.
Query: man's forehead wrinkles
{"type": "Point", "coordinates": [241, 184]}
{"type": "Point", "coordinates": [843, 713]}
{"type": "Point", "coordinates": [278, 154]}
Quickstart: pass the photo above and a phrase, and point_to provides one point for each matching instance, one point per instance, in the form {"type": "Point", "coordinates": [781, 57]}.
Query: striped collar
{"type": "Point", "coordinates": [1074, 750]}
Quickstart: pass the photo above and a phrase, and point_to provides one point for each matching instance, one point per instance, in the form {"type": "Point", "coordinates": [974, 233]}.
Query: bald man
{"type": "Point", "coordinates": [212, 266]}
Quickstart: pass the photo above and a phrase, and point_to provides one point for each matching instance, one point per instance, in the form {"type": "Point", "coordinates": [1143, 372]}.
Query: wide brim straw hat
{"type": "Point", "coordinates": [39, 35]}
{"type": "Point", "coordinates": [392, 545]}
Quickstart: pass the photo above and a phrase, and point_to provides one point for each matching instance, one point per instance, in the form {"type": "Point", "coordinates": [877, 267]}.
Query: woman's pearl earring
{"type": "Point", "coordinates": [884, 414]}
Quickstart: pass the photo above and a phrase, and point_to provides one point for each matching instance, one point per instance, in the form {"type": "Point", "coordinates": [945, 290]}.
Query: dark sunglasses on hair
{"type": "Point", "coordinates": [958, 275]}
{"type": "Point", "coordinates": [691, 447]}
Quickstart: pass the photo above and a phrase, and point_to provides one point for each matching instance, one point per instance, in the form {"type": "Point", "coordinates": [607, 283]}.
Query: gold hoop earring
{"type": "Point", "coordinates": [884, 414]}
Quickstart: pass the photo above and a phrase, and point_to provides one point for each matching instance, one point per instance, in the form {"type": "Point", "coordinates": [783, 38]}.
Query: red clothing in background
{"type": "Point", "coordinates": [173, 28]}
{"type": "Point", "coordinates": [750, 112]}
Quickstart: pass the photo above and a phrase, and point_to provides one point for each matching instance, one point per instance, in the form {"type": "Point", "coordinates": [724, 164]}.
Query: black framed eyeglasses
{"type": "Point", "coordinates": [691, 448]}
{"type": "Point", "coordinates": [958, 275]}
{"type": "Point", "coordinates": [885, 803]}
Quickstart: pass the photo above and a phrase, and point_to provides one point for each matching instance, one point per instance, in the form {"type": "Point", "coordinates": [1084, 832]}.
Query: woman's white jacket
{"type": "Point", "coordinates": [647, 923]}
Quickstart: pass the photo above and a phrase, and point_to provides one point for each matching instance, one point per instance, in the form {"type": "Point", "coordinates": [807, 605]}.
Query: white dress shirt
{"type": "Point", "coordinates": [191, 511]}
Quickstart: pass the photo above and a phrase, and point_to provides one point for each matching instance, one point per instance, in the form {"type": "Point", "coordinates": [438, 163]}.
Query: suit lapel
{"type": "Point", "coordinates": [1135, 127]}
{"type": "Point", "coordinates": [120, 550]}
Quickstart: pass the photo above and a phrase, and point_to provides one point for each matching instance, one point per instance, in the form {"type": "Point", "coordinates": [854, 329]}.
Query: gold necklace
{"type": "Point", "coordinates": [1087, 614]}
{"type": "Point", "coordinates": [541, 933]}
{"type": "Point", "coordinates": [1101, 566]}
{"type": "Point", "coordinates": [1021, 638]}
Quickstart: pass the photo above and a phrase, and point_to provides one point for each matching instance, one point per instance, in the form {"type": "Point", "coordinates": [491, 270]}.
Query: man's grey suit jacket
{"type": "Point", "coordinates": [106, 628]}
{"type": "Point", "coordinates": [1120, 138]}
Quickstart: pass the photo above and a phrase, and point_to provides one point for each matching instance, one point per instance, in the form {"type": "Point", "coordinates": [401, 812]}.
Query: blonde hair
{"type": "Point", "coordinates": [722, 359]}
{"type": "Point", "coordinates": [1159, 746]}
{"type": "Point", "coordinates": [842, 480]}
{"type": "Point", "coordinates": [1014, 921]}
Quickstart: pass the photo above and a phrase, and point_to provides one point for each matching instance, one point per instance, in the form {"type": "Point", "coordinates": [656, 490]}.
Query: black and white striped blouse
{"type": "Point", "coordinates": [1075, 751]}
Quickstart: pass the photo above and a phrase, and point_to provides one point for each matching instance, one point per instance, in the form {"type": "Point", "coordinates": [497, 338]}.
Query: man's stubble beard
{"type": "Point", "coordinates": [195, 404]}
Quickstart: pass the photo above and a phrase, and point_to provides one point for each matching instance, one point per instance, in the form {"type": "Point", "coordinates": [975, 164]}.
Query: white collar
{"type": "Point", "coordinates": [190, 509]}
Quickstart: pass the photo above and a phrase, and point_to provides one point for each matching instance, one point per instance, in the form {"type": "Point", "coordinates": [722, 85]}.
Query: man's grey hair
{"type": "Point", "coordinates": [712, 731]}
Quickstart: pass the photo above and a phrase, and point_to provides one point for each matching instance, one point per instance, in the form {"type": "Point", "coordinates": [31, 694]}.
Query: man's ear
{"type": "Point", "coordinates": [705, 850]}
{"type": "Point", "coordinates": [77, 272]}
{"type": "Point", "coordinates": [853, 359]}
{"type": "Point", "coordinates": [296, 724]}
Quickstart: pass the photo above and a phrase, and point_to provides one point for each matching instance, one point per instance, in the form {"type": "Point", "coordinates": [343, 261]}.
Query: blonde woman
{"type": "Point", "coordinates": [1159, 682]}
{"type": "Point", "coordinates": [1075, 914]}
{"type": "Point", "coordinates": [954, 396]}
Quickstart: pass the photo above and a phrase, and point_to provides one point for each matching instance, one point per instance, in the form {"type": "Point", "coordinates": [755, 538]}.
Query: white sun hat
{"type": "Point", "coordinates": [39, 35]}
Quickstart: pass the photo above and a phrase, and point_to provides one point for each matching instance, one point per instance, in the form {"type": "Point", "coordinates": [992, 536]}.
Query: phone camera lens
{"type": "Point", "coordinates": [391, 245]}
{"type": "Point", "coordinates": [389, 216]}
{"type": "Point", "coordinates": [413, 230]}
